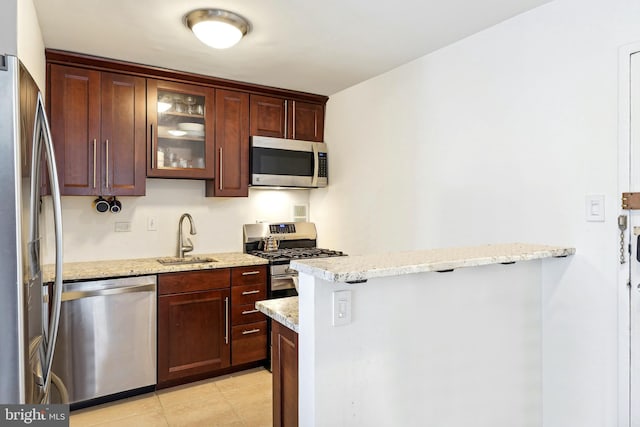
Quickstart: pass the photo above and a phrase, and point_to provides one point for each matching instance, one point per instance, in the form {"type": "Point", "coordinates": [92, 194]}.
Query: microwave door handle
{"type": "Point", "coordinates": [316, 164]}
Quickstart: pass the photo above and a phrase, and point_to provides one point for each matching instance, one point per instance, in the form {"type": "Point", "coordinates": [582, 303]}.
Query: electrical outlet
{"type": "Point", "coordinates": [152, 224]}
{"type": "Point", "coordinates": [123, 226]}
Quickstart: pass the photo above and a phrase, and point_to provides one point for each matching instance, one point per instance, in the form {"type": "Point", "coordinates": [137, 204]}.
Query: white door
{"type": "Point", "coordinates": [634, 254]}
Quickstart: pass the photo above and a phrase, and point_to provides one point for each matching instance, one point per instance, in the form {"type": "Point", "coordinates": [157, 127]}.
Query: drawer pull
{"type": "Point", "coordinates": [251, 331]}
{"type": "Point", "coordinates": [250, 311]}
{"type": "Point", "coordinates": [251, 292]}
{"type": "Point", "coordinates": [250, 273]}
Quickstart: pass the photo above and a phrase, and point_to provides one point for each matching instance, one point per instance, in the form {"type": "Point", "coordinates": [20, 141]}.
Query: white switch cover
{"type": "Point", "coordinates": [152, 225]}
{"type": "Point", "coordinates": [594, 208]}
{"type": "Point", "coordinates": [341, 308]}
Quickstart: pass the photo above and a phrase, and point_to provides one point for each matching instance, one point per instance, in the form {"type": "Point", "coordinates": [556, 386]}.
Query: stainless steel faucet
{"type": "Point", "coordinates": [182, 246]}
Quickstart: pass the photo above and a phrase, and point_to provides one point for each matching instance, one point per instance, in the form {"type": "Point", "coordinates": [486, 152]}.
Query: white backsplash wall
{"type": "Point", "coordinates": [89, 235]}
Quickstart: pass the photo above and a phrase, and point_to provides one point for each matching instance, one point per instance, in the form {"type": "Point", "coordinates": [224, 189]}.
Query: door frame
{"type": "Point", "coordinates": [624, 162]}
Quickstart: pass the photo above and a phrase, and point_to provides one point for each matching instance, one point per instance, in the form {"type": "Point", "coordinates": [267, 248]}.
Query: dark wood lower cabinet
{"type": "Point", "coordinates": [208, 324]}
{"type": "Point", "coordinates": [193, 334]}
{"type": "Point", "coordinates": [248, 326]}
{"type": "Point", "coordinates": [284, 355]}
{"type": "Point", "coordinates": [249, 343]}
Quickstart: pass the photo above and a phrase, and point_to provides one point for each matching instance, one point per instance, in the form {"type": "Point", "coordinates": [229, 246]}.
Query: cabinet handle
{"type": "Point", "coordinates": [286, 118]}
{"type": "Point", "coordinates": [250, 311]}
{"type": "Point", "coordinates": [226, 320]}
{"type": "Point", "coordinates": [107, 163]}
{"type": "Point", "coordinates": [95, 156]}
{"type": "Point", "coordinates": [220, 182]}
{"type": "Point", "coordinates": [251, 292]}
{"type": "Point", "coordinates": [250, 331]}
{"type": "Point", "coordinates": [293, 131]}
{"type": "Point", "coordinates": [250, 273]}
{"type": "Point", "coordinates": [153, 149]}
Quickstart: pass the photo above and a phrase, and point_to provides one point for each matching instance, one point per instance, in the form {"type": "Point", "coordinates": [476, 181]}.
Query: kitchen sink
{"type": "Point", "coordinates": [174, 260]}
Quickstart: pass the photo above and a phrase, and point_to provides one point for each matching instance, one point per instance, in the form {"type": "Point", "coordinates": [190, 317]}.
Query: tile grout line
{"type": "Point", "coordinates": [233, 408]}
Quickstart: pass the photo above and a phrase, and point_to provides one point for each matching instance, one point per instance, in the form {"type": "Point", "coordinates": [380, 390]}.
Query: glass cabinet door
{"type": "Point", "coordinates": [181, 128]}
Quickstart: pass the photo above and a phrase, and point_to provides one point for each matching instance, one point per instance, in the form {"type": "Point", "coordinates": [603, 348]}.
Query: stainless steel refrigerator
{"type": "Point", "coordinates": [29, 311]}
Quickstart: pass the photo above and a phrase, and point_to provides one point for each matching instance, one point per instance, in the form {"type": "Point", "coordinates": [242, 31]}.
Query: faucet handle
{"type": "Point", "coordinates": [188, 246]}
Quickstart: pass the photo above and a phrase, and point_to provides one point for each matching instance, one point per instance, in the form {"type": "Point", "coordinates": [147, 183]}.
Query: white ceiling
{"type": "Point", "coordinates": [317, 46]}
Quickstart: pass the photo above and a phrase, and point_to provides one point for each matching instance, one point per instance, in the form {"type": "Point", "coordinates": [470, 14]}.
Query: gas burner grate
{"type": "Point", "coordinates": [296, 253]}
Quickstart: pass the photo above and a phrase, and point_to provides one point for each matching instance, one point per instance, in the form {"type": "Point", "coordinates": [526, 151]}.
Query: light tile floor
{"type": "Point", "coordinates": [242, 399]}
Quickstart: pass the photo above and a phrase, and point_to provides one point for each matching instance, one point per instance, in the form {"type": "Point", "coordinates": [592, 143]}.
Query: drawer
{"type": "Point", "coordinates": [254, 275]}
{"type": "Point", "coordinates": [244, 295]}
{"type": "Point", "coordinates": [191, 281]}
{"type": "Point", "coordinates": [247, 313]}
{"type": "Point", "coordinates": [249, 343]}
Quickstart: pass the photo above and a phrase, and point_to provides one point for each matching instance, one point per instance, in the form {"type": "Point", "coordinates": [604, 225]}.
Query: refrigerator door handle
{"type": "Point", "coordinates": [43, 133]}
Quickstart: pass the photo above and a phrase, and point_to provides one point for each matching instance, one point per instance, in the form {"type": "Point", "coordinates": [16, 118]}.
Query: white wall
{"type": "Point", "coordinates": [455, 349]}
{"type": "Point", "coordinates": [89, 235]}
{"type": "Point", "coordinates": [30, 43]}
{"type": "Point", "coordinates": [8, 24]}
{"type": "Point", "coordinates": [498, 138]}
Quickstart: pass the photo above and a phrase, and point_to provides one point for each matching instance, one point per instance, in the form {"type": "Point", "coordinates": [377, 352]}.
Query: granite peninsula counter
{"type": "Point", "coordinates": [282, 310]}
{"type": "Point", "coordinates": [416, 344]}
{"type": "Point", "coordinates": [364, 267]}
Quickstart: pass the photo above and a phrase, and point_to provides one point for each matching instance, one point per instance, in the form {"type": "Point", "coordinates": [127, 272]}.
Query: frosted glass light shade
{"type": "Point", "coordinates": [219, 29]}
{"type": "Point", "coordinates": [219, 35]}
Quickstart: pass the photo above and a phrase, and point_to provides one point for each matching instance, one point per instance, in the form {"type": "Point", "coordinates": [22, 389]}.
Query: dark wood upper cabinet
{"type": "Point", "coordinates": [307, 121]}
{"type": "Point", "coordinates": [286, 118]}
{"type": "Point", "coordinates": [181, 130]}
{"type": "Point", "coordinates": [98, 129]}
{"type": "Point", "coordinates": [123, 132]}
{"type": "Point", "coordinates": [231, 145]}
{"type": "Point", "coordinates": [74, 99]}
{"type": "Point", "coordinates": [268, 116]}
{"type": "Point", "coordinates": [114, 123]}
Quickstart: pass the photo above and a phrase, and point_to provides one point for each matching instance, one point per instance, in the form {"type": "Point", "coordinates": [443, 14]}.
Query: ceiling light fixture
{"type": "Point", "coordinates": [217, 28]}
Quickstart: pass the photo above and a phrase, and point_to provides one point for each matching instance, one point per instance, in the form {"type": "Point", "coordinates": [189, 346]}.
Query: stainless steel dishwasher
{"type": "Point", "coordinates": [107, 337]}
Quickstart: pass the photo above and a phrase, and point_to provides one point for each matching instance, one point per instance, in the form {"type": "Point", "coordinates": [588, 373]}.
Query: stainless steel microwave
{"type": "Point", "coordinates": [277, 162]}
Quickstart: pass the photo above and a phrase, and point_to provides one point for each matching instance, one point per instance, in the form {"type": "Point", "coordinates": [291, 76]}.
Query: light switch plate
{"type": "Point", "coordinates": [594, 208]}
{"type": "Point", "coordinates": [341, 308]}
{"type": "Point", "coordinates": [152, 224]}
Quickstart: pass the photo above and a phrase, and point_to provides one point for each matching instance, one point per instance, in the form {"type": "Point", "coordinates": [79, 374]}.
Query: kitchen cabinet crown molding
{"type": "Point", "coordinates": [55, 56]}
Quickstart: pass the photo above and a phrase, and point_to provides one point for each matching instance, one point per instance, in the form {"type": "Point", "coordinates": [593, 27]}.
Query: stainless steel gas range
{"type": "Point", "coordinates": [280, 243]}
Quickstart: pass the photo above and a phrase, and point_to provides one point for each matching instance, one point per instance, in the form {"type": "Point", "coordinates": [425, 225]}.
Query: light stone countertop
{"type": "Point", "coordinates": [362, 267]}
{"type": "Point", "coordinates": [141, 266]}
{"type": "Point", "coordinates": [282, 310]}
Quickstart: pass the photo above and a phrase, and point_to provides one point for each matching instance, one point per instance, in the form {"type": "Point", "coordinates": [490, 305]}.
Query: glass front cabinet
{"type": "Point", "coordinates": [181, 130]}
